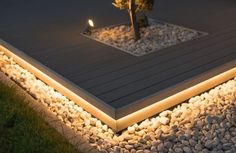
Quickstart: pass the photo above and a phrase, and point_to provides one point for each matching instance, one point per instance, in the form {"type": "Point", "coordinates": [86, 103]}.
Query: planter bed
{"type": "Point", "coordinates": [158, 35]}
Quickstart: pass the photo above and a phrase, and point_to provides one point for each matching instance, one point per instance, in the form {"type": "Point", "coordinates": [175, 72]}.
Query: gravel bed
{"type": "Point", "coordinates": [155, 37]}
{"type": "Point", "coordinates": [206, 123]}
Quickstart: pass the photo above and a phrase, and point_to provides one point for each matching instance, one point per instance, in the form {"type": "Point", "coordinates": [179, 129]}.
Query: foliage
{"type": "Point", "coordinates": [141, 5]}
{"type": "Point", "coordinates": [23, 131]}
{"type": "Point", "coordinates": [134, 6]}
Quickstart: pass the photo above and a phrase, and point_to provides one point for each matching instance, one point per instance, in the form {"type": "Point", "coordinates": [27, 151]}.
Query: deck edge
{"type": "Point", "coordinates": [176, 94]}
{"type": "Point", "coordinates": [97, 108]}
{"type": "Point", "coordinates": [122, 118]}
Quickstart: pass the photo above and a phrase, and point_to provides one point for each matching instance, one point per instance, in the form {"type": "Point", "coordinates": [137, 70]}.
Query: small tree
{"type": "Point", "coordinates": [134, 6]}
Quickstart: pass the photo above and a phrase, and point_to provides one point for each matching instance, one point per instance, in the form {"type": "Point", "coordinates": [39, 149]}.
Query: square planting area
{"type": "Point", "coordinates": [158, 35]}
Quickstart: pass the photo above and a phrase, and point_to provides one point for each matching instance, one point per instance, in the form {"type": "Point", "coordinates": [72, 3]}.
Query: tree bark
{"type": "Point", "coordinates": [133, 19]}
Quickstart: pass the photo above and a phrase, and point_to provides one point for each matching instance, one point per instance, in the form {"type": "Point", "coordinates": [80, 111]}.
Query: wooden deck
{"type": "Point", "coordinates": [111, 80]}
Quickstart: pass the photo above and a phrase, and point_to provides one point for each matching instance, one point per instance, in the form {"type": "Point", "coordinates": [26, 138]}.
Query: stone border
{"type": "Point", "coordinates": [75, 139]}
{"type": "Point", "coordinates": [201, 34]}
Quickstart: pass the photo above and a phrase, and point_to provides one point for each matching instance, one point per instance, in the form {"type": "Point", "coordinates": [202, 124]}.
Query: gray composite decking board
{"type": "Point", "coordinates": [49, 32]}
{"type": "Point", "coordinates": [156, 70]}
{"type": "Point", "coordinates": [82, 56]}
{"type": "Point", "coordinates": [155, 79]}
{"type": "Point", "coordinates": [93, 66]}
{"type": "Point", "coordinates": [129, 64]}
{"type": "Point", "coordinates": [83, 49]}
{"type": "Point", "coordinates": [208, 15]}
{"type": "Point", "coordinates": [141, 66]}
{"type": "Point", "coordinates": [158, 96]}
{"type": "Point", "coordinates": [70, 60]}
{"type": "Point", "coordinates": [171, 81]}
{"type": "Point", "coordinates": [87, 57]}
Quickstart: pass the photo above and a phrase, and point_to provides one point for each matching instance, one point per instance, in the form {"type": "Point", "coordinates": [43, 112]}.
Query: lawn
{"type": "Point", "coordinates": [23, 131]}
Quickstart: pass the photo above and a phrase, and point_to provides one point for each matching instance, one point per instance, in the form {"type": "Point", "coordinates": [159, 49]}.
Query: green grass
{"type": "Point", "coordinates": [23, 131]}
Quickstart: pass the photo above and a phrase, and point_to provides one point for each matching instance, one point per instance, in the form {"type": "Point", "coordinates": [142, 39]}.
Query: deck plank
{"type": "Point", "coordinates": [119, 103]}
{"type": "Point", "coordinates": [182, 66]}
{"type": "Point", "coordinates": [154, 64]}
{"type": "Point", "coordinates": [123, 83]}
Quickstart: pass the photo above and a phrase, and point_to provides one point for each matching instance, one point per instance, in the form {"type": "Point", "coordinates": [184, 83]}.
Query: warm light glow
{"type": "Point", "coordinates": [124, 122]}
{"type": "Point", "coordinates": [175, 99]}
{"type": "Point", "coordinates": [90, 22]}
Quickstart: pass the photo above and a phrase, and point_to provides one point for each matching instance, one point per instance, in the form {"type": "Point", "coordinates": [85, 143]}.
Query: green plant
{"type": "Point", "coordinates": [134, 6]}
{"type": "Point", "coordinates": [22, 130]}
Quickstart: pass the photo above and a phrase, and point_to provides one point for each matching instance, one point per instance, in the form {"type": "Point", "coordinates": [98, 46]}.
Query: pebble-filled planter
{"type": "Point", "coordinates": [206, 123]}
{"type": "Point", "coordinates": [158, 35]}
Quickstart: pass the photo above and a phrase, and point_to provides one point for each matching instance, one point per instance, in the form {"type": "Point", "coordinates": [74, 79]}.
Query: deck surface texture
{"type": "Point", "coordinates": [49, 31]}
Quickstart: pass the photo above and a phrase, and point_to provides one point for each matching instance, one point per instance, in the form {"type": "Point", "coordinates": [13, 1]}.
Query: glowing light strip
{"type": "Point", "coordinates": [63, 90]}
{"type": "Point", "coordinates": [174, 99]}
{"type": "Point", "coordinates": [135, 117]}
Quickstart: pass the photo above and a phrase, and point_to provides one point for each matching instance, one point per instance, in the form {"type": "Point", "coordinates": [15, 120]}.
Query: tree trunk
{"type": "Point", "coordinates": [133, 19]}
